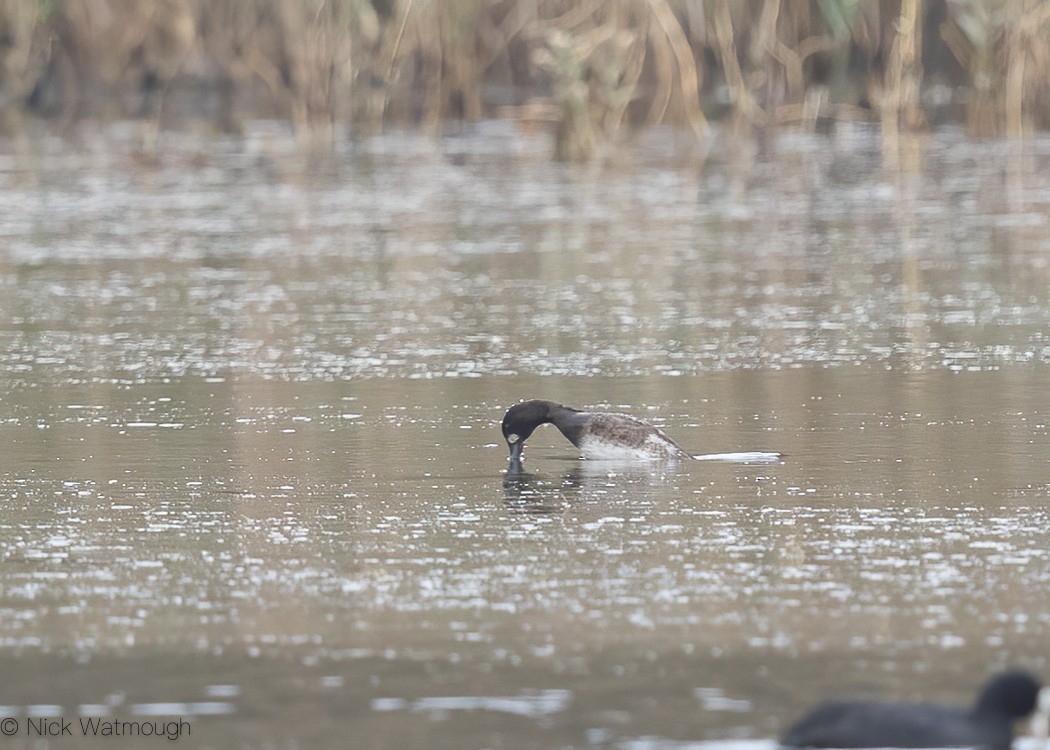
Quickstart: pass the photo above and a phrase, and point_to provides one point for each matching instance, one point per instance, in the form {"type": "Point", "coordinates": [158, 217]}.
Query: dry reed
{"type": "Point", "coordinates": [593, 67]}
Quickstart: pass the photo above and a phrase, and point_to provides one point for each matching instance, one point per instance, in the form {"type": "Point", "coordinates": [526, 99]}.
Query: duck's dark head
{"type": "Point", "coordinates": [521, 420]}
{"type": "Point", "coordinates": [1013, 694]}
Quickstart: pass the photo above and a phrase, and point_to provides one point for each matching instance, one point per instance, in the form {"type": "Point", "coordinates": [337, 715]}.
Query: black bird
{"type": "Point", "coordinates": [989, 724]}
{"type": "Point", "coordinates": [596, 434]}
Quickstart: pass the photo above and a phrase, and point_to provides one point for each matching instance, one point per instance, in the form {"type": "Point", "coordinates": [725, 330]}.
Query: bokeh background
{"type": "Point", "coordinates": [591, 69]}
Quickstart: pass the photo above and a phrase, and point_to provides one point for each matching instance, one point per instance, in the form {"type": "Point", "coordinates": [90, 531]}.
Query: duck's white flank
{"type": "Point", "coordinates": [652, 447]}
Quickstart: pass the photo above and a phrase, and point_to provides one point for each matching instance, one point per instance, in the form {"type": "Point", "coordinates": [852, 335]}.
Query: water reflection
{"type": "Point", "coordinates": [428, 269]}
{"type": "Point", "coordinates": [549, 493]}
{"type": "Point", "coordinates": [250, 417]}
{"type": "Point", "coordinates": [527, 493]}
{"type": "Point", "coordinates": [534, 705]}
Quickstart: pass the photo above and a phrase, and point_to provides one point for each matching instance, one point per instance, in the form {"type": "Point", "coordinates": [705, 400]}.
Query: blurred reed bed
{"type": "Point", "coordinates": [592, 70]}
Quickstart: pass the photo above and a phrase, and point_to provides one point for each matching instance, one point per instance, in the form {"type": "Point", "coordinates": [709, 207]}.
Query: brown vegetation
{"type": "Point", "coordinates": [590, 66]}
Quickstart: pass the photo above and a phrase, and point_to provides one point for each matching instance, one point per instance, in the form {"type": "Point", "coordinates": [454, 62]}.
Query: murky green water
{"type": "Point", "coordinates": [252, 474]}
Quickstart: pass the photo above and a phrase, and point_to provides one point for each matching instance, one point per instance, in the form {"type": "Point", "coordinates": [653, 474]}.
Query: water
{"type": "Point", "coordinates": [253, 476]}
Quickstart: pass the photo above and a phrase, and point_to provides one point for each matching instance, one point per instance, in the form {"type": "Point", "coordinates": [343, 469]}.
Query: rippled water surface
{"type": "Point", "coordinates": [252, 473]}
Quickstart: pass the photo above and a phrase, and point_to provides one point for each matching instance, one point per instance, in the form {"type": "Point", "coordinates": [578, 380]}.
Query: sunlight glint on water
{"type": "Point", "coordinates": [253, 472]}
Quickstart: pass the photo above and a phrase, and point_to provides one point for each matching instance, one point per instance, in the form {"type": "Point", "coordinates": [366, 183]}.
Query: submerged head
{"type": "Point", "coordinates": [1012, 694]}
{"type": "Point", "coordinates": [521, 420]}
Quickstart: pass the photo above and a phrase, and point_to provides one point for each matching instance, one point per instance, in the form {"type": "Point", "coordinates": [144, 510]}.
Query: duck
{"type": "Point", "coordinates": [598, 435]}
{"type": "Point", "coordinates": [989, 724]}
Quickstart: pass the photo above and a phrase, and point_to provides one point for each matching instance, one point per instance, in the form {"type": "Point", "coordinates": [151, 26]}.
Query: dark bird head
{"type": "Point", "coordinates": [1013, 694]}
{"type": "Point", "coordinates": [521, 420]}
